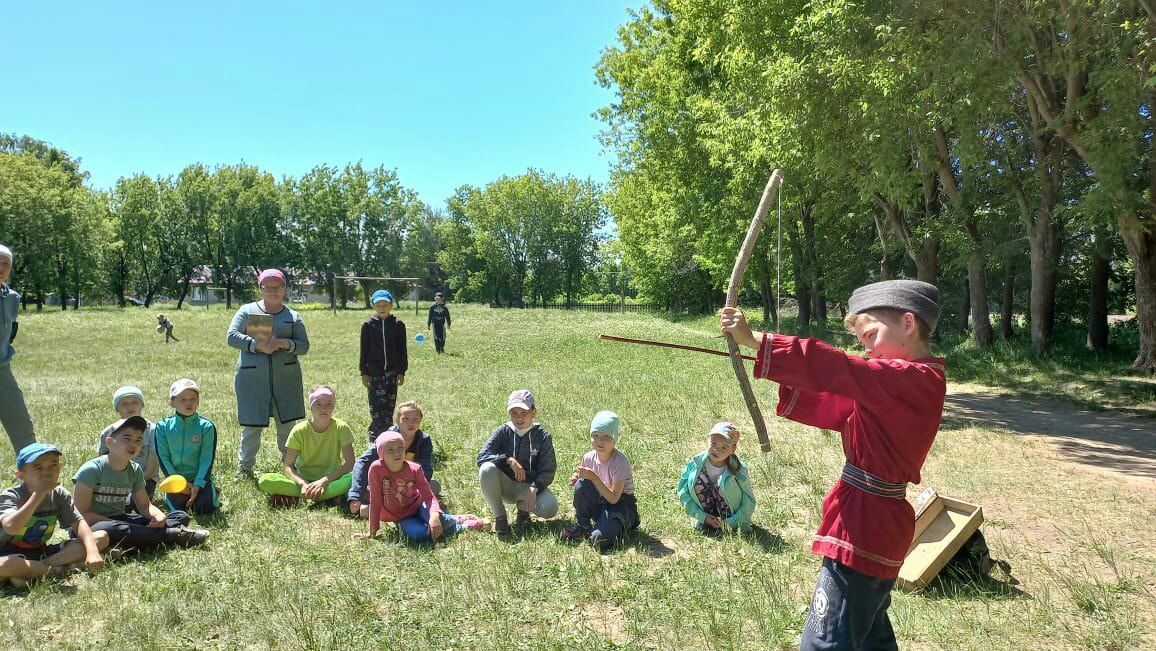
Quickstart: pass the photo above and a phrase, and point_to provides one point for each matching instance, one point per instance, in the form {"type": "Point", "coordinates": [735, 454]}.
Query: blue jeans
{"type": "Point", "coordinates": [416, 526]}
{"type": "Point", "coordinates": [610, 521]}
{"type": "Point", "coordinates": [849, 612]}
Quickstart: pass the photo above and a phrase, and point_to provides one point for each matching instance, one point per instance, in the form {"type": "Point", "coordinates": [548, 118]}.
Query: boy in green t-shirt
{"type": "Point", "coordinates": [104, 484]}
{"type": "Point", "coordinates": [29, 514]}
{"type": "Point", "coordinates": [318, 457]}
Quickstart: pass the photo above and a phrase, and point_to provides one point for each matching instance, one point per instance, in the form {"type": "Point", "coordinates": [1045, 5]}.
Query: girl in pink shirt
{"type": "Point", "coordinates": [604, 504]}
{"type": "Point", "coordinates": [399, 492]}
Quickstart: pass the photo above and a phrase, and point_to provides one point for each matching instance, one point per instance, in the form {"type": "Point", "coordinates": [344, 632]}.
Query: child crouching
{"type": "Point", "coordinates": [714, 489]}
{"type": "Point", "coordinates": [604, 504]}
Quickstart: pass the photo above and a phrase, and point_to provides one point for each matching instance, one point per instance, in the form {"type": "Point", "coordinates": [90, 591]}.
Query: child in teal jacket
{"type": "Point", "coordinates": [714, 488]}
{"type": "Point", "coordinates": [187, 446]}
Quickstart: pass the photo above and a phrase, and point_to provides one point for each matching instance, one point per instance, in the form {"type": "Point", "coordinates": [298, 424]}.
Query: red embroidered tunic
{"type": "Point", "coordinates": [888, 412]}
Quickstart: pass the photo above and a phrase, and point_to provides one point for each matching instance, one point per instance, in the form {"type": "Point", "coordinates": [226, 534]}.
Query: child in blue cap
{"type": "Point", "coordinates": [384, 361]}
{"type": "Point", "coordinates": [29, 514]}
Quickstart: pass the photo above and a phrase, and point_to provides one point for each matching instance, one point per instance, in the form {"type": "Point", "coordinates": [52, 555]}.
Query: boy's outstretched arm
{"type": "Point", "coordinates": [732, 321]}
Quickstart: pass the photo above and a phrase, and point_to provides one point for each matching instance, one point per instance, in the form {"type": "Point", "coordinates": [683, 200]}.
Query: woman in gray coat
{"type": "Point", "coordinates": [268, 379]}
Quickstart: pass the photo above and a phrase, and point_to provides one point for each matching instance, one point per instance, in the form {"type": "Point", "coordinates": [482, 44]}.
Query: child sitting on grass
{"type": "Point", "coordinates": [29, 514]}
{"type": "Point", "coordinates": [418, 448]}
{"type": "Point", "coordinates": [187, 446]}
{"type": "Point", "coordinates": [887, 408]}
{"type": "Point", "coordinates": [714, 488]}
{"type": "Point", "coordinates": [128, 401]}
{"type": "Point", "coordinates": [517, 464]}
{"type": "Point", "coordinates": [318, 457]}
{"type": "Point", "coordinates": [399, 492]}
{"type": "Point", "coordinates": [604, 504]}
{"type": "Point", "coordinates": [104, 484]}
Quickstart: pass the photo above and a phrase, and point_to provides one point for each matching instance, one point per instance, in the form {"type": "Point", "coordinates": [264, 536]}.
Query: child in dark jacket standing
{"type": "Point", "coordinates": [439, 319]}
{"type": "Point", "coordinates": [384, 361]}
{"type": "Point", "coordinates": [887, 407]}
{"type": "Point", "coordinates": [517, 465]}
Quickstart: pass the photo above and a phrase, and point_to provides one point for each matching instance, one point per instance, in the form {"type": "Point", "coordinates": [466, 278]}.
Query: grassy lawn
{"type": "Point", "coordinates": [298, 579]}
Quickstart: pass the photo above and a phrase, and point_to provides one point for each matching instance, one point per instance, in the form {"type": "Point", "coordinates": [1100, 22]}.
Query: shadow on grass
{"type": "Point", "coordinates": [1105, 439]}
{"type": "Point", "coordinates": [536, 530]}
{"type": "Point", "coordinates": [986, 588]}
{"type": "Point", "coordinates": [769, 541]}
{"type": "Point", "coordinates": [642, 542]}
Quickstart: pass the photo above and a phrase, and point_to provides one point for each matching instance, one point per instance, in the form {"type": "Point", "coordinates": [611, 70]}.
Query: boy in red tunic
{"type": "Point", "coordinates": [887, 407]}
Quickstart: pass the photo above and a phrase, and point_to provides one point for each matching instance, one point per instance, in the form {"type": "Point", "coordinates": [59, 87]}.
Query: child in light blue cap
{"type": "Point", "coordinates": [384, 361]}
{"type": "Point", "coordinates": [128, 401]}
{"type": "Point", "coordinates": [604, 505]}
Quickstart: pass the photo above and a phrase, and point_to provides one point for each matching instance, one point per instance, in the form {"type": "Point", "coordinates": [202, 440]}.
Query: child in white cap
{"type": "Point", "coordinates": [187, 446]}
{"type": "Point", "coordinates": [128, 401]}
{"type": "Point", "coordinates": [715, 489]}
{"type": "Point", "coordinates": [604, 504]}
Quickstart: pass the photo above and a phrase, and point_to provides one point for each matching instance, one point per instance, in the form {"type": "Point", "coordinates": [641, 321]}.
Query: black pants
{"type": "Point", "coordinates": [206, 500]}
{"type": "Point", "coordinates": [133, 530]}
{"type": "Point", "coordinates": [169, 335]}
{"type": "Point", "coordinates": [610, 521]}
{"type": "Point", "coordinates": [849, 612]}
{"type": "Point", "coordinates": [382, 399]}
{"type": "Point", "coordinates": [439, 333]}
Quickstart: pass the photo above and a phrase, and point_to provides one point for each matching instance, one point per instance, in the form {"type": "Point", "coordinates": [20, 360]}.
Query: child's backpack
{"type": "Point", "coordinates": [973, 561]}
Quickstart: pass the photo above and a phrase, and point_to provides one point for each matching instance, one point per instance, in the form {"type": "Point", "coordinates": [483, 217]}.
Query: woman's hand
{"type": "Point", "coordinates": [435, 525]}
{"type": "Point", "coordinates": [586, 473]}
{"type": "Point", "coordinates": [366, 381]}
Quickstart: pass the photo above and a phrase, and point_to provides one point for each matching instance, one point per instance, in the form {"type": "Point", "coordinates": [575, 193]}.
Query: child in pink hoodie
{"type": "Point", "coordinates": [399, 492]}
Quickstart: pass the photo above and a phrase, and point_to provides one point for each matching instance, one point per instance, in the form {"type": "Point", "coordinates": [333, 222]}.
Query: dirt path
{"type": "Point", "coordinates": [1102, 441]}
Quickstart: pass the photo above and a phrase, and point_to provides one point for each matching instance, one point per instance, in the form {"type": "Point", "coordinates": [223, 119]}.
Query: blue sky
{"type": "Point", "coordinates": [446, 93]}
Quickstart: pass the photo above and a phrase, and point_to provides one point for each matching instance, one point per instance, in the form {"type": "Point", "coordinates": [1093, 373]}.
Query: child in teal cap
{"type": "Point", "coordinates": [604, 505]}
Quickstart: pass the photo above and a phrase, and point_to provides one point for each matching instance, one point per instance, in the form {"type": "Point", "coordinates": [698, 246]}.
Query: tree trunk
{"type": "Point", "coordinates": [885, 270]}
{"type": "Point", "coordinates": [62, 289]}
{"type": "Point", "coordinates": [1007, 305]}
{"type": "Point", "coordinates": [1044, 260]}
{"type": "Point", "coordinates": [1142, 249]}
{"type": "Point", "coordinates": [229, 293]}
{"type": "Point", "coordinates": [965, 310]}
{"type": "Point", "coordinates": [802, 289]}
{"type": "Point", "coordinates": [813, 264]}
{"type": "Point", "coordinates": [185, 292]}
{"type": "Point", "coordinates": [1098, 302]}
{"type": "Point", "coordinates": [977, 283]}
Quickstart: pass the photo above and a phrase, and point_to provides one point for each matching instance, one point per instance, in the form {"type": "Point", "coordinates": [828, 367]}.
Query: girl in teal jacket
{"type": "Point", "coordinates": [714, 488]}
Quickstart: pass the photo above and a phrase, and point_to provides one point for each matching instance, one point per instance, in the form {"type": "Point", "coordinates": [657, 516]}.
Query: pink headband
{"type": "Point", "coordinates": [384, 440]}
{"type": "Point", "coordinates": [318, 392]}
{"type": "Point", "coordinates": [270, 273]}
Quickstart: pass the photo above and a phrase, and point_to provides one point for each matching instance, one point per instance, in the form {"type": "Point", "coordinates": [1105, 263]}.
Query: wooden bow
{"type": "Point", "coordinates": [733, 290]}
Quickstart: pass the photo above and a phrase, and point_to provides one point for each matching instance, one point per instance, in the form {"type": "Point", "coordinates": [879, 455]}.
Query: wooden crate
{"type": "Point", "coordinates": [942, 526]}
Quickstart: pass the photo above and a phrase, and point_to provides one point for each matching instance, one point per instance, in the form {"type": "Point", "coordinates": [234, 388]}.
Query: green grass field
{"type": "Point", "coordinates": [1080, 543]}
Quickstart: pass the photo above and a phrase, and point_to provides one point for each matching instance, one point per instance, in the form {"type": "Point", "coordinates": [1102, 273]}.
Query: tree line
{"type": "Point", "coordinates": [1003, 150]}
{"type": "Point", "coordinates": [535, 235]}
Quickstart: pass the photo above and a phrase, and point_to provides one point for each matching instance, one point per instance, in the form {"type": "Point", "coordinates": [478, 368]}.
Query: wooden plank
{"type": "Point", "coordinates": [941, 530]}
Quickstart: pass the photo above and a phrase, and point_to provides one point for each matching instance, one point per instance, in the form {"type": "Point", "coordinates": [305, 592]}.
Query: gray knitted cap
{"type": "Point", "coordinates": [915, 296]}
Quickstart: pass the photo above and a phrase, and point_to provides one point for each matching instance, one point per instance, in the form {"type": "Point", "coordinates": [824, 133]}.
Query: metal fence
{"type": "Point", "coordinates": [635, 308]}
